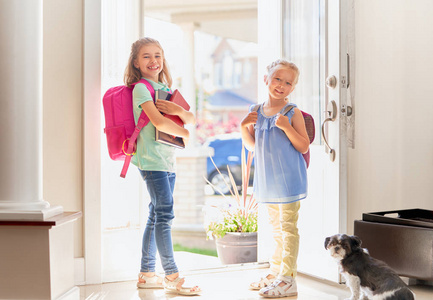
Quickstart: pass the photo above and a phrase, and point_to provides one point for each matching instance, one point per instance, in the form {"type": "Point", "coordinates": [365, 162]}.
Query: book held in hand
{"type": "Point", "coordinates": [166, 138]}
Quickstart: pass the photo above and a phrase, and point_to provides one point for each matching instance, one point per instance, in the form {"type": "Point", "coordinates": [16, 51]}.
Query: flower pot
{"type": "Point", "coordinates": [237, 247]}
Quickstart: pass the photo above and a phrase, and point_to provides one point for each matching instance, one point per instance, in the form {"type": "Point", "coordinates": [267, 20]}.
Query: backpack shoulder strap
{"type": "Point", "coordinates": [142, 121]}
{"type": "Point", "coordinates": [256, 107]}
{"type": "Point", "coordinates": [287, 109]}
{"type": "Point", "coordinates": [148, 86]}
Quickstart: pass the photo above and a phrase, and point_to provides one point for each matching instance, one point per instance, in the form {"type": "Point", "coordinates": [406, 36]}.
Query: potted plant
{"type": "Point", "coordinates": [235, 225]}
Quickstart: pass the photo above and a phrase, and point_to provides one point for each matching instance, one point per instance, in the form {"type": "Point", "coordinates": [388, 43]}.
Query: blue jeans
{"type": "Point", "coordinates": [157, 234]}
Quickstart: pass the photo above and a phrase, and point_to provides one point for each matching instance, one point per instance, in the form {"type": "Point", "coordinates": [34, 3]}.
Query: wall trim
{"type": "Point", "coordinates": [79, 273]}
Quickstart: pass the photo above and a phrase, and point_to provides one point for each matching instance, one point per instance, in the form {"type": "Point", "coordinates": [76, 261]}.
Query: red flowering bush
{"type": "Point", "coordinates": [207, 128]}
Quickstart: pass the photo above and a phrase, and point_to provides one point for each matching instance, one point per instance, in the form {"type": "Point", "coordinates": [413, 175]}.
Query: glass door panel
{"type": "Point", "coordinates": [311, 38]}
{"type": "Point", "coordinates": [303, 43]}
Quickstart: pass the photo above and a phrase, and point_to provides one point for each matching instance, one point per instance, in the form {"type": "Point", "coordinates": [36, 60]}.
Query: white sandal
{"type": "Point", "coordinates": [172, 287]}
{"type": "Point", "coordinates": [154, 282]}
{"type": "Point", "coordinates": [277, 291]}
{"type": "Point", "coordinates": [264, 282]}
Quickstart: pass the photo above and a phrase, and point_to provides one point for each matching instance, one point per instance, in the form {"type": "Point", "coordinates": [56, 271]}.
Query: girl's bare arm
{"type": "Point", "coordinates": [296, 132]}
{"type": "Point", "coordinates": [247, 130]}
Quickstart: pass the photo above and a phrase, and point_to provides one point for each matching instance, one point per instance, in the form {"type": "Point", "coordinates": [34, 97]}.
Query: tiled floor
{"type": "Point", "coordinates": [229, 286]}
{"type": "Point", "coordinates": [226, 284]}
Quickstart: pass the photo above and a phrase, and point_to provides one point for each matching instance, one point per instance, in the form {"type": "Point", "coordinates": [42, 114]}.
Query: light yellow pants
{"type": "Point", "coordinates": [284, 220]}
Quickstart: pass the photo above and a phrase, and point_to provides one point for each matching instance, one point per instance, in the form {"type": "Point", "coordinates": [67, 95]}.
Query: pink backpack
{"type": "Point", "coordinates": [120, 126]}
{"type": "Point", "coordinates": [309, 125]}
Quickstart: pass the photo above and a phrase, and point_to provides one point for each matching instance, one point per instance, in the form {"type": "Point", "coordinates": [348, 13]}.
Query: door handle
{"type": "Point", "coordinates": [332, 115]}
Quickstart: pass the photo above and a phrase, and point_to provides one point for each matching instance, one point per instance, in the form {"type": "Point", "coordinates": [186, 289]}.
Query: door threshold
{"type": "Point", "coordinates": [227, 268]}
{"type": "Point", "coordinates": [192, 264]}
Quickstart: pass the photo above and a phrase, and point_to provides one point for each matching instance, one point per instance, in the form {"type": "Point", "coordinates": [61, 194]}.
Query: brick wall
{"type": "Point", "coordinates": [189, 196]}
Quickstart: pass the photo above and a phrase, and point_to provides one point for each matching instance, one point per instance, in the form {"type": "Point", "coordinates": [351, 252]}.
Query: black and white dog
{"type": "Point", "coordinates": [367, 278]}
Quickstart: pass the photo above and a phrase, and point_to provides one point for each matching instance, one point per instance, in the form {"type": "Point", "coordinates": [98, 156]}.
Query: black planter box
{"type": "Point", "coordinates": [401, 238]}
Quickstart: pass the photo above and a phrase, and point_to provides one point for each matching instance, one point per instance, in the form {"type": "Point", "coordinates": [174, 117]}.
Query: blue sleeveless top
{"type": "Point", "coordinates": [280, 171]}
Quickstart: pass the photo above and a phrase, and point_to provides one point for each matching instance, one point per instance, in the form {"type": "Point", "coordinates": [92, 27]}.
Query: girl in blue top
{"type": "Point", "coordinates": [280, 175]}
{"type": "Point", "coordinates": [156, 163]}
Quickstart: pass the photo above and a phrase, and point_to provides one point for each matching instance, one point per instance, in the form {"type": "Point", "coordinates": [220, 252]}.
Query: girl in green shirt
{"type": "Point", "coordinates": [156, 163]}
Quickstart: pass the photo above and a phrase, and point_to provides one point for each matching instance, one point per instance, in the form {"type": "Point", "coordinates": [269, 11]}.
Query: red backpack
{"type": "Point", "coordinates": [309, 125]}
{"type": "Point", "coordinates": [120, 126]}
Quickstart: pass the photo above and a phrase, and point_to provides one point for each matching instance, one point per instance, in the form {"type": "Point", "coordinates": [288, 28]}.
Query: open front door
{"type": "Point", "coordinates": [312, 35]}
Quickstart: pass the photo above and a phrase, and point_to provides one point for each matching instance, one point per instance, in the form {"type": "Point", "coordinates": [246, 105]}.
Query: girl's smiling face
{"type": "Point", "coordinates": [281, 83]}
{"type": "Point", "coordinates": [150, 61]}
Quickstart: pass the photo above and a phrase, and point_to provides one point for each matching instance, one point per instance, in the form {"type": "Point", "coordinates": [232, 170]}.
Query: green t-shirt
{"type": "Point", "coordinates": [151, 155]}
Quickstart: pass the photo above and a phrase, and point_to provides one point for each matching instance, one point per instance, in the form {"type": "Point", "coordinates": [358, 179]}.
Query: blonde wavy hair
{"type": "Point", "coordinates": [285, 63]}
{"type": "Point", "coordinates": [132, 74]}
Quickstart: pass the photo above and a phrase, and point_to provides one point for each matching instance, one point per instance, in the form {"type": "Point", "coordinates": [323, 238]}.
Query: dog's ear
{"type": "Point", "coordinates": [355, 241]}
{"type": "Point", "coordinates": [327, 242]}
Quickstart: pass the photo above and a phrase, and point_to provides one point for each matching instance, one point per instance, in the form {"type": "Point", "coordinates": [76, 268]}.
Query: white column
{"type": "Point", "coordinates": [21, 112]}
{"type": "Point", "coordinates": [188, 74]}
{"type": "Point", "coordinates": [191, 164]}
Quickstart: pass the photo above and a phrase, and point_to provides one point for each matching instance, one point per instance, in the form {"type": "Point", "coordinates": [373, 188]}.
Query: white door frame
{"type": "Point", "coordinates": [270, 43]}
{"type": "Point", "coordinates": [92, 144]}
